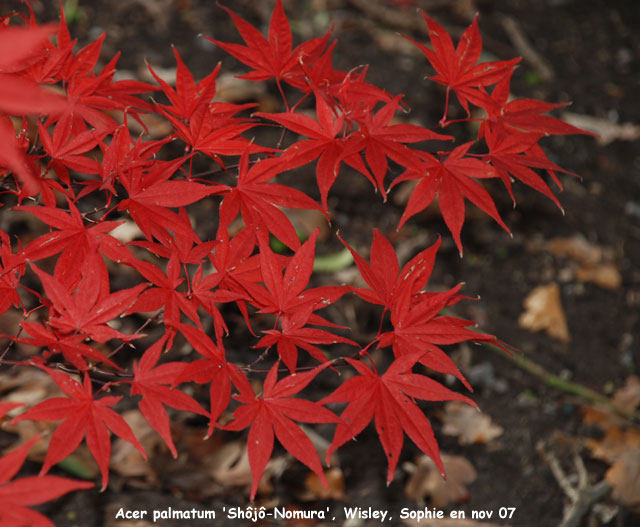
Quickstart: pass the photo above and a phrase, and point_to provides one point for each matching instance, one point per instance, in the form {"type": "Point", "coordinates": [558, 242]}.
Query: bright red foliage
{"type": "Point", "coordinates": [75, 158]}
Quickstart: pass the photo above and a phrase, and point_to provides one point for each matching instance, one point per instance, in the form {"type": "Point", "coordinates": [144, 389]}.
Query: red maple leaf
{"type": "Point", "coordinates": [520, 116]}
{"type": "Point", "coordinates": [384, 276]}
{"type": "Point", "coordinates": [294, 335]}
{"type": "Point", "coordinates": [272, 58]}
{"type": "Point", "coordinates": [187, 95]}
{"type": "Point", "coordinates": [75, 240]}
{"type": "Point", "coordinates": [91, 307]}
{"type": "Point", "coordinates": [164, 293]}
{"type": "Point", "coordinates": [214, 368]}
{"type": "Point", "coordinates": [83, 416]}
{"type": "Point", "coordinates": [517, 154]}
{"type": "Point", "coordinates": [389, 399]}
{"type": "Point", "coordinates": [286, 296]}
{"type": "Point", "coordinates": [257, 200]}
{"type": "Point", "coordinates": [16, 496]}
{"type": "Point", "coordinates": [152, 193]}
{"type": "Point", "coordinates": [153, 383]}
{"type": "Point", "coordinates": [70, 345]}
{"type": "Point", "coordinates": [418, 326]}
{"type": "Point", "coordinates": [11, 271]}
{"type": "Point", "coordinates": [325, 144]}
{"type": "Point", "coordinates": [380, 140]}
{"type": "Point", "coordinates": [458, 68]}
{"type": "Point", "coordinates": [451, 180]}
{"type": "Point", "coordinates": [274, 414]}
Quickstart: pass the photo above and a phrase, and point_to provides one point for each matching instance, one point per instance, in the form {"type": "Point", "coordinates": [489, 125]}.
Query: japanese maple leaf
{"type": "Point", "coordinates": [383, 274]}
{"type": "Point", "coordinates": [11, 271]}
{"type": "Point", "coordinates": [91, 94]}
{"type": "Point", "coordinates": [13, 158]}
{"type": "Point", "coordinates": [523, 115]}
{"type": "Point", "coordinates": [152, 194]}
{"type": "Point", "coordinates": [17, 495]}
{"type": "Point", "coordinates": [82, 416]}
{"type": "Point", "coordinates": [389, 399]}
{"type": "Point", "coordinates": [457, 68]}
{"type": "Point", "coordinates": [452, 180]}
{"type": "Point", "coordinates": [121, 156]}
{"type": "Point", "coordinates": [272, 57]}
{"type": "Point", "coordinates": [90, 308]}
{"type": "Point", "coordinates": [164, 293]}
{"type": "Point", "coordinates": [294, 334]}
{"type": "Point", "coordinates": [324, 144]}
{"type": "Point", "coordinates": [187, 95]}
{"type": "Point", "coordinates": [419, 326]}
{"type": "Point", "coordinates": [517, 154]}
{"type": "Point", "coordinates": [236, 270]}
{"type": "Point", "coordinates": [188, 249]}
{"type": "Point", "coordinates": [285, 294]}
{"type": "Point", "coordinates": [69, 151]}
{"type": "Point", "coordinates": [21, 46]}
{"type": "Point", "coordinates": [75, 240]}
{"type": "Point", "coordinates": [207, 127]}
{"type": "Point", "coordinates": [153, 383]}
{"type": "Point", "coordinates": [213, 368]}
{"type": "Point", "coordinates": [257, 200]}
{"type": "Point", "coordinates": [274, 414]}
{"type": "Point", "coordinates": [70, 345]}
{"type": "Point", "coordinates": [380, 140]}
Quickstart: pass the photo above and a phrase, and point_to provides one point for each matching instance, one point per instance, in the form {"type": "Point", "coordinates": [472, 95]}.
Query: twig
{"type": "Point", "coordinates": [408, 21]}
{"type": "Point", "coordinates": [524, 48]}
{"type": "Point", "coordinates": [582, 496]}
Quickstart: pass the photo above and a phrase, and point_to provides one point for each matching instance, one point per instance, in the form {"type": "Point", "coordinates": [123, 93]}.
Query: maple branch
{"type": "Point", "coordinates": [136, 332]}
{"type": "Point", "coordinates": [555, 381]}
{"type": "Point", "coordinates": [10, 345]}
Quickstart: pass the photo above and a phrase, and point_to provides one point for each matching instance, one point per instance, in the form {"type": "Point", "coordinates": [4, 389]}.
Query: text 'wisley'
{"type": "Point", "coordinates": [368, 513]}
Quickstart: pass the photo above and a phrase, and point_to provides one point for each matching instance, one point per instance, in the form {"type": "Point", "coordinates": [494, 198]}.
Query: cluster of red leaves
{"type": "Point", "coordinates": [73, 150]}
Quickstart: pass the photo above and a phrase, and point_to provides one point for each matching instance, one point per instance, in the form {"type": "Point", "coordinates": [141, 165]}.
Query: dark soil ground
{"type": "Point", "coordinates": [592, 51]}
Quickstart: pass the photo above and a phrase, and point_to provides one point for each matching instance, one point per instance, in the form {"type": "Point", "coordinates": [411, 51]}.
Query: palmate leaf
{"type": "Point", "coordinates": [82, 416]}
{"type": "Point", "coordinates": [325, 144]}
{"type": "Point", "coordinates": [16, 496]}
{"type": "Point", "coordinates": [153, 382]}
{"type": "Point", "coordinates": [388, 399]}
{"type": "Point", "coordinates": [451, 180]}
{"type": "Point", "coordinates": [458, 69]}
{"type": "Point", "coordinates": [273, 414]}
{"type": "Point", "coordinates": [258, 201]}
{"type": "Point", "coordinates": [273, 57]}
{"type": "Point", "coordinates": [383, 274]}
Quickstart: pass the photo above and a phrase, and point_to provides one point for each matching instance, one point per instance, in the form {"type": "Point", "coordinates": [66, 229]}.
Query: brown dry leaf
{"type": "Point", "coordinates": [578, 249]}
{"type": "Point", "coordinates": [605, 275]}
{"type": "Point", "coordinates": [29, 386]}
{"type": "Point", "coordinates": [595, 262]}
{"type": "Point", "coordinates": [600, 417]}
{"type": "Point", "coordinates": [624, 478]}
{"type": "Point", "coordinates": [627, 398]}
{"type": "Point", "coordinates": [468, 424]}
{"type": "Point", "coordinates": [229, 465]}
{"type": "Point", "coordinates": [335, 486]}
{"type": "Point", "coordinates": [155, 126]}
{"type": "Point", "coordinates": [616, 442]}
{"type": "Point", "coordinates": [426, 480]}
{"type": "Point", "coordinates": [126, 460]}
{"type": "Point", "coordinates": [231, 88]}
{"type": "Point", "coordinates": [543, 310]}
